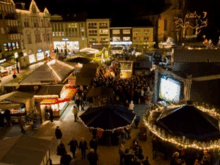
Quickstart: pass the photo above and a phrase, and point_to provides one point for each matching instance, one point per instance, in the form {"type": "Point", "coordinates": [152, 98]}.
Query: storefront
{"type": "Point", "coordinates": [40, 54]}
{"type": "Point", "coordinates": [47, 53]}
{"type": "Point", "coordinates": [32, 59]}
{"type": "Point", "coordinates": [69, 45]}
{"type": "Point", "coordinates": [58, 103]}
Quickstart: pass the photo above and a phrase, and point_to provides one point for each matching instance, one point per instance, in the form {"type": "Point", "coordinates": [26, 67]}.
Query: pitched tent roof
{"type": "Point", "coordinates": [23, 150]}
{"type": "Point", "coordinates": [50, 90]}
{"type": "Point", "coordinates": [52, 72]}
{"type": "Point", "coordinates": [17, 96]}
{"type": "Point", "coordinates": [190, 122]}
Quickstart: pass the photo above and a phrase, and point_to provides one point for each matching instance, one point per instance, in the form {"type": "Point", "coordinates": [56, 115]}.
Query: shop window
{"type": "Point", "coordinates": [115, 31]}
{"type": "Point", "coordinates": [13, 45]}
{"type": "Point", "coordinates": [17, 45]}
{"type": "Point", "coordinates": [5, 47]}
{"type": "Point", "coordinates": [9, 46]}
{"type": "Point", "coordinates": [126, 31]}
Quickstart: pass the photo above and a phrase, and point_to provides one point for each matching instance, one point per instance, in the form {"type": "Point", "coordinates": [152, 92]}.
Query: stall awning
{"type": "Point", "coordinates": [10, 106]}
{"type": "Point", "coordinates": [49, 101]}
{"type": "Point", "coordinates": [7, 64]}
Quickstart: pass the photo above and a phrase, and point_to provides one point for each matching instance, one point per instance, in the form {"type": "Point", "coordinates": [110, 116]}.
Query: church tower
{"type": "Point", "coordinates": [166, 23]}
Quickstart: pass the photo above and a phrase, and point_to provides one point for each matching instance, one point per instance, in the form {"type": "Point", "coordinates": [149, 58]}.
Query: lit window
{"type": "Point", "coordinates": [126, 31]}
{"type": "Point", "coordinates": [146, 38]}
{"type": "Point", "coordinates": [103, 31]}
{"type": "Point", "coordinates": [104, 39]}
{"type": "Point", "coordinates": [116, 39]}
{"type": "Point", "coordinates": [116, 32]}
{"type": "Point", "coordinates": [53, 33]}
{"type": "Point", "coordinates": [5, 47]}
{"type": "Point", "coordinates": [126, 38]}
{"type": "Point", "coordinates": [82, 29]}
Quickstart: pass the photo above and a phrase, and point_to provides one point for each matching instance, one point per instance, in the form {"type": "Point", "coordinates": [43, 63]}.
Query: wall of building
{"type": "Point", "coordinates": [36, 34]}
{"type": "Point", "coordinates": [98, 31]}
{"type": "Point", "coordinates": [143, 35]}
{"type": "Point", "coordinates": [120, 34]}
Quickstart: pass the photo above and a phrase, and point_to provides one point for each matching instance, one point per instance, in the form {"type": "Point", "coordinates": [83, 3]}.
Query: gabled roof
{"type": "Point", "coordinates": [33, 5]}
{"type": "Point", "coordinates": [50, 90]}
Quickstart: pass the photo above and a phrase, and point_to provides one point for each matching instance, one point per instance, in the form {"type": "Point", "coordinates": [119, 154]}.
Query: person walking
{"type": "Point", "coordinates": [92, 157]}
{"type": "Point", "coordinates": [58, 134]}
{"type": "Point", "coordinates": [83, 147]}
{"type": "Point", "coordinates": [61, 150]}
{"type": "Point", "coordinates": [136, 121]}
{"type": "Point", "coordinates": [17, 67]}
{"type": "Point", "coordinates": [131, 106]}
{"type": "Point", "coordinates": [65, 159]}
{"type": "Point", "coordinates": [51, 113]}
{"type": "Point", "coordinates": [154, 147]}
{"type": "Point", "coordinates": [73, 146]}
{"type": "Point", "coordinates": [121, 152]}
{"type": "Point", "coordinates": [93, 144]}
{"type": "Point", "coordinates": [75, 112]}
{"type": "Point", "coordinates": [21, 125]}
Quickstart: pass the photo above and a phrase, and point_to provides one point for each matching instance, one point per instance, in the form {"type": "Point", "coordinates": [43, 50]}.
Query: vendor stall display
{"type": "Point", "coordinates": [55, 97]}
{"type": "Point", "coordinates": [19, 104]}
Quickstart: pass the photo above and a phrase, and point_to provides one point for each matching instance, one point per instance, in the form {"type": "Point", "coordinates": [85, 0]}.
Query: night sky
{"type": "Point", "coordinates": [125, 9]}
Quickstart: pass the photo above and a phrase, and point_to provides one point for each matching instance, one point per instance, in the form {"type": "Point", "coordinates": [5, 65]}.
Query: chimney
{"type": "Point", "coordinates": [23, 6]}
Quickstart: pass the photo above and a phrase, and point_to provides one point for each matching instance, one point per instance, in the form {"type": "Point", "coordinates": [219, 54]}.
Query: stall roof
{"type": "Point", "coordinates": [23, 150]}
{"type": "Point", "coordinates": [51, 72]}
{"type": "Point", "coordinates": [185, 55]}
{"type": "Point", "coordinates": [50, 90]}
{"type": "Point", "coordinates": [10, 106]}
{"type": "Point", "coordinates": [198, 69]}
{"type": "Point", "coordinates": [16, 96]}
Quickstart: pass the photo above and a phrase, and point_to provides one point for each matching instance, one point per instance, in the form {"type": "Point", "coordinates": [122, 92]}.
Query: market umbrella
{"type": "Point", "coordinates": [190, 122]}
{"type": "Point", "coordinates": [82, 60]}
{"type": "Point", "coordinates": [107, 117]}
{"type": "Point", "coordinates": [100, 91]}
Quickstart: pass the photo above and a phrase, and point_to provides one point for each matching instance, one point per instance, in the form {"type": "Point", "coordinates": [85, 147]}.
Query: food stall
{"type": "Point", "coordinates": [19, 104]}
{"type": "Point", "coordinates": [57, 101]}
{"type": "Point", "coordinates": [126, 69]}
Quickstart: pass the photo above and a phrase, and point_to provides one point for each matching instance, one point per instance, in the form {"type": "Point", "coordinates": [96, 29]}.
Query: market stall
{"type": "Point", "coordinates": [19, 104]}
{"type": "Point", "coordinates": [25, 150]}
{"type": "Point", "coordinates": [6, 68]}
{"type": "Point", "coordinates": [187, 128]}
{"type": "Point", "coordinates": [56, 96]}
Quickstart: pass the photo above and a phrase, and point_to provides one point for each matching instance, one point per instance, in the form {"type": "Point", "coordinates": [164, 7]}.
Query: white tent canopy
{"type": "Point", "coordinates": [89, 50]}
{"type": "Point", "coordinates": [24, 150]}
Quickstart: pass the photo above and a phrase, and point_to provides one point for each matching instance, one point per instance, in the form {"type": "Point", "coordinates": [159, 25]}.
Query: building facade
{"type": "Point", "coordinates": [98, 31]}
{"type": "Point", "coordinates": [166, 21]}
{"type": "Point", "coordinates": [121, 36]}
{"type": "Point", "coordinates": [68, 35]}
{"type": "Point", "coordinates": [10, 45]}
{"type": "Point", "coordinates": [36, 33]}
{"type": "Point", "coordinates": [143, 36]}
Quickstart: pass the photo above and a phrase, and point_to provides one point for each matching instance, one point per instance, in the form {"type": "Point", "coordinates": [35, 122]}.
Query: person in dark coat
{"type": "Point", "coordinates": [2, 120]}
{"type": "Point", "coordinates": [65, 159]}
{"type": "Point", "coordinates": [136, 121]}
{"type": "Point", "coordinates": [51, 114]}
{"type": "Point", "coordinates": [73, 146]}
{"type": "Point", "coordinates": [154, 147]}
{"type": "Point", "coordinates": [8, 117]}
{"type": "Point", "coordinates": [127, 157]}
{"type": "Point", "coordinates": [58, 135]}
{"type": "Point", "coordinates": [146, 161]}
{"type": "Point", "coordinates": [93, 144]}
{"type": "Point", "coordinates": [83, 147]}
{"type": "Point", "coordinates": [61, 150]}
{"type": "Point", "coordinates": [92, 157]}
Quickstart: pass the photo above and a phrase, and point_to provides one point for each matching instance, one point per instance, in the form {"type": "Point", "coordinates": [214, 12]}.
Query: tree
{"type": "Point", "coordinates": [193, 21]}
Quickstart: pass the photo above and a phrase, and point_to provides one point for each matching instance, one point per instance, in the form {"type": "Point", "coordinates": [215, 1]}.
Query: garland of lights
{"type": "Point", "coordinates": [184, 142]}
{"type": "Point", "coordinates": [200, 22]}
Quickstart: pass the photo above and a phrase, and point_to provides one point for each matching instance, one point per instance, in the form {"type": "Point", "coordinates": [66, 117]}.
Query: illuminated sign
{"type": "Point", "coordinates": [122, 42]}
{"type": "Point", "coordinates": [65, 39]}
{"type": "Point", "coordinates": [3, 60]}
{"type": "Point", "coordinates": [16, 54]}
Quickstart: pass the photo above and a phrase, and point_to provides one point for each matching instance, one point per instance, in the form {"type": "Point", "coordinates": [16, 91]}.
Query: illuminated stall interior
{"type": "Point", "coordinates": [56, 97]}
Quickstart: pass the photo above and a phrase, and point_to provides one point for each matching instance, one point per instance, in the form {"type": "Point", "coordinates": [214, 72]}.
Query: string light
{"type": "Point", "coordinates": [176, 140]}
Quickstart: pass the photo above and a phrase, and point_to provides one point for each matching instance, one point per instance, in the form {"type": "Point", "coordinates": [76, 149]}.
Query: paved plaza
{"type": "Point", "coordinates": [108, 155]}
